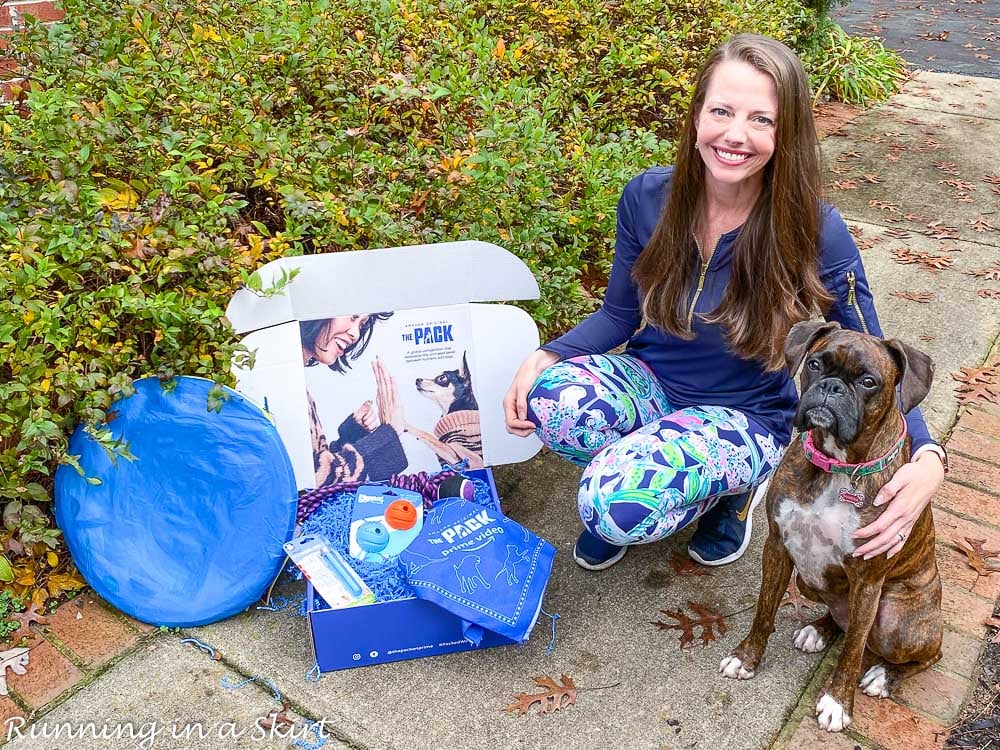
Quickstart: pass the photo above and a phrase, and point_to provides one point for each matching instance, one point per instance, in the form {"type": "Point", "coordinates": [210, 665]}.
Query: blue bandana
{"type": "Point", "coordinates": [479, 565]}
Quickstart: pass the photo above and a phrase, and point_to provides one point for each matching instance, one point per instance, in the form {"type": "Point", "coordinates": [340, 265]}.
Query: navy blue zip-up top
{"type": "Point", "coordinates": [704, 371]}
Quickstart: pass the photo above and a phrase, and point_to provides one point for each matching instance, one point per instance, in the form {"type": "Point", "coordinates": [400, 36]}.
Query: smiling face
{"type": "Point", "coordinates": [736, 124]}
{"type": "Point", "coordinates": [337, 337]}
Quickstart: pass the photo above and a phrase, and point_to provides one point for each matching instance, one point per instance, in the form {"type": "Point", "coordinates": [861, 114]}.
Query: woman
{"type": "Point", "coordinates": [715, 259]}
{"type": "Point", "coordinates": [368, 442]}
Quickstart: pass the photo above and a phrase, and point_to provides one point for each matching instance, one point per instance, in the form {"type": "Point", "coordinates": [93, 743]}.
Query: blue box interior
{"type": "Point", "coordinates": [390, 631]}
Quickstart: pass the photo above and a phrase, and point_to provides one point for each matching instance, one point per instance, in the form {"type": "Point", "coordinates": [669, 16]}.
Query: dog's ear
{"type": "Point", "coordinates": [803, 335]}
{"type": "Point", "coordinates": [916, 371]}
{"type": "Point", "coordinates": [464, 372]}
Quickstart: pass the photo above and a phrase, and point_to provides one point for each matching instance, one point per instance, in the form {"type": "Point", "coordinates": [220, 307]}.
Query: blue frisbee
{"type": "Point", "coordinates": [191, 531]}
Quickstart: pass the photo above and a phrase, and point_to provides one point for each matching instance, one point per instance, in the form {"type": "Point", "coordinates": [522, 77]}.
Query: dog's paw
{"type": "Point", "coordinates": [732, 667]}
{"type": "Point", "coordinates": [809, 640]}
{"type": "Point", "coordinates": [831, 715]}
{"type": "Point", "coordinates": [875, 682]}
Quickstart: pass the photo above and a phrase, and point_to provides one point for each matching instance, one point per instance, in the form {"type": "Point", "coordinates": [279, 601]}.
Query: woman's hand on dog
{"type": "Point", "coordinates": [907, 493]}
{"type": "Point", "coordinates": [390, 408]}
{"type": "Point", "coordinates": [515, 402]}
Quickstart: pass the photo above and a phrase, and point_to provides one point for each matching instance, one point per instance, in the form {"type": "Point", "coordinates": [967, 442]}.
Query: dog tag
{"type": "Point", "coordinates": [852, 496]}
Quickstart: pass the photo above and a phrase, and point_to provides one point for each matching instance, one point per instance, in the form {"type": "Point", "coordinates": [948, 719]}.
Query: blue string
{"type": "Point", "coordinates": [320, 739]}
{"type": "Point", "coordinates": [203, 646]}
{"type": "Point", "coordinates": [313, 674]}
{"type": "Point", "coordinates": [277, 603]}
{"type": "Point", "coordinates": [552, 641]}
{"type": "Point", "coordinates": [256, 678]}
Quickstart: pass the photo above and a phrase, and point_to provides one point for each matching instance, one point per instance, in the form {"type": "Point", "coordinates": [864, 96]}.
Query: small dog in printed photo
{"type": "Point", "coordinates": [457, 434]}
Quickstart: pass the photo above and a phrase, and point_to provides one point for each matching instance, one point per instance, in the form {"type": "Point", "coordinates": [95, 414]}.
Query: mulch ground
{"type": "Point", "coordinates": [978, 728]}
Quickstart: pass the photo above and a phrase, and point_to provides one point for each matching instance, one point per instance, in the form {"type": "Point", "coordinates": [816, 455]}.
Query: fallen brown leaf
{"type": "Point", "coordinates": [981, 225]}
{"type": "Point", "coordinates": [958, 185]}
{"type": "Point", "coordinates": [979, 392]}
{"type": "Point", "coordinates": [883, 205]}
{"type": "Point", "coordinates": [24, 620]}
{"type": "Point", "coordinates": [843, 185]}
{"type": "Point", "coordinates": [707, 619]}
{"type": "Point", "coordinates": [923, 297]}
{"type": "Point", "coordinates": [989, 293]}
{"type": "Point", "coordinates": [553, 697]}
{"type": "Point", "coordinates": [978, 556]}
{"type": "Point", "coordinates": [685, 567]}
{"type": "Point", "coordinates": [975, 375]}
{"type": "Point", "coordinates": [793, 597]}
{"type": "Point", "coordinates": [991, 273]}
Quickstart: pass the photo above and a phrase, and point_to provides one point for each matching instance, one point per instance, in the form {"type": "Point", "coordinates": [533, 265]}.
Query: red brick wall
{"type": "Point", "coordinates": [12, 13]}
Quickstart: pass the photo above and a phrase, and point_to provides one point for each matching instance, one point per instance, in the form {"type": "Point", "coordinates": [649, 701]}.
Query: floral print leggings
{"type": "Point", "coordinates": [650, 470]}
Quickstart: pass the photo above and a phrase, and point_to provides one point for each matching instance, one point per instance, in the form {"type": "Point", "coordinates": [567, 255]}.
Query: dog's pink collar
{"type": "Point", "coordinates": [832, 466]}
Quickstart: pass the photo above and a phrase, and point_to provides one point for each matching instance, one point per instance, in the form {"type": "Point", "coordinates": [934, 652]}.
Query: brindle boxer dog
{"type": "Point", "coordinates": [853, 440]}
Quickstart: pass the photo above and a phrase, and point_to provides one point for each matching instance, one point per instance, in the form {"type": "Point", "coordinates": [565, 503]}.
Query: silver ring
{"type": "Point", "coordinates": [902, 538]}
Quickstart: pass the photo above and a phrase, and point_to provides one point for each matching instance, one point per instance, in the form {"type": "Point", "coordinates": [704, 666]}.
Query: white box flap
{"type": "Point", "coordinates": [375, 362]}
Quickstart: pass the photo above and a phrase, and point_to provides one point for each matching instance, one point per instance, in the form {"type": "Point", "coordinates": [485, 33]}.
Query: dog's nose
{"type": "Point", "coordinates": [832, 387]}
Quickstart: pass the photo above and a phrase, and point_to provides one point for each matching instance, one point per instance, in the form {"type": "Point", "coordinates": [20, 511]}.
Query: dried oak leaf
{"type": "Point", "coordinates": [975, 375]}
{"type": "Point", "coordinates": [914, 296]}
{"type": "Point", "coordinates": [843, 185]}
{"type": "Point", "coordinates": [553, 696]}
{"type": "Point", "coordinates": [978, 556]}
{"type": "Point", "coordinates": [897, 233]}
{"type": "Point", "coordinates": [924, 260]}
{"type": "Point", "coordinates": [793, 597]}
{"type": "Point", "coordinates": [24, 620]}
{"type": "Point", "coordinates": [991, 273]}
{"type": "Point", "coordinates": [686, 567]}
{"type": "Point", "coordinates": [991, 179]}
{"type": "Point", "coordinates": [276, 716]}
{"type": "Point", "coordinates": [979, 547]}
{"type": "Point", "coordinates": [707, 619]}
{"type": "Point", "coordinates": [981, 225]}
{"type": "Point", "coordinates": [874, 179]}
{"type": "Point", "coordinates": [947, 167]}
{"type": "Point", "coordinates": [883, 205]}
{"type": "Point", "coordinates": [989, 293]}
{"type": "Point", "coordinates": [958, 185]}
{"type": "Point", "coordinates": [978, 392]}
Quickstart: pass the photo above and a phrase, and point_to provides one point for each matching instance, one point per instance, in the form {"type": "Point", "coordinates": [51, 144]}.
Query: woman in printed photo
{"type": "Point", "coordinates": [367, 444]}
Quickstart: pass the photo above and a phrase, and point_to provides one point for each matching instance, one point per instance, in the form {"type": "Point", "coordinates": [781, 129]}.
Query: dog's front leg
{"type": "Point", "coordinates": [777, 571]}
{"type": "Point", "coordinates": [834, 708]}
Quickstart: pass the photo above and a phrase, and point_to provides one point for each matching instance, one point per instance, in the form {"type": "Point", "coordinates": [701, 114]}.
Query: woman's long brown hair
{"type": "Point", "coordinates": [775, 274]}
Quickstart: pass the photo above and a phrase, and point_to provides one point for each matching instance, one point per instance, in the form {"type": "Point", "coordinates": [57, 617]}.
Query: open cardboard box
{"type": "Point", "coordinates": [441, 328]}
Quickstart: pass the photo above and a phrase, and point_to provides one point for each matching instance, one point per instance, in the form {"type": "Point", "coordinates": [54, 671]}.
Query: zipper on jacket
{"type": "Point", "coordinates": [701, 278]}
{"type": "Point", "coordinates": [852, 300]}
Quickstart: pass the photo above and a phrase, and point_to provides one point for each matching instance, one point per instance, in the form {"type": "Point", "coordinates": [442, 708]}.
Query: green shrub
{"type": "Point", "coordinates": [850, 69]}
{"type": "Point", "coordinates": [162, 150]}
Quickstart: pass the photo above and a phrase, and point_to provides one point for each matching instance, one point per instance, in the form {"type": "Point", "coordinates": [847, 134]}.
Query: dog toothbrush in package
{"type": "Point", "coordinates": [384, 522]}
{"type": "Point", "coordinates": [331, 575]}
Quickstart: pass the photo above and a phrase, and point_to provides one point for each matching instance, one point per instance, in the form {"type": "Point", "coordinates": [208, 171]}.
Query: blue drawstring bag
{"type": "Point", "coordinates": [482, 567]}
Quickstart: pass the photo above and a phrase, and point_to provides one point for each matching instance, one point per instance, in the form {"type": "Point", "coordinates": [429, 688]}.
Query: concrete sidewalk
{"type": "Point", "coordinates": [912, 180]}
